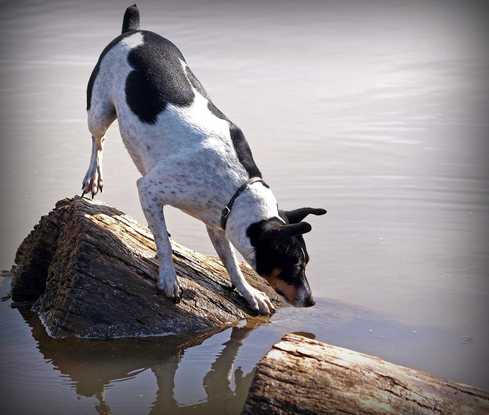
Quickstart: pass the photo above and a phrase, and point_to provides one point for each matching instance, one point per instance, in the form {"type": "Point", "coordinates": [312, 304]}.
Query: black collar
{"type": "Point", "coordinates": [227, 209]}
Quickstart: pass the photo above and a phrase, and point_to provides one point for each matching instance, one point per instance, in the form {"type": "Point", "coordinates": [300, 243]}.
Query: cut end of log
{"type": "Point", "coordinates": [300, 375]}
{"type": "Point", "coordinates": [91, 272]}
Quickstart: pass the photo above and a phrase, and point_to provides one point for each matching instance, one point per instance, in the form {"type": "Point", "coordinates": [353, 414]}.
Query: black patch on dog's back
{"type": "Point", "coordinates": [95, 71]}
{"type": "Point", "coordinates": [196, 83]}
{"type": "Point", "coordinates": [158, 78]}
{"type": "Point", "coordinates": [198, 86]}
{"type": "Point", "coordinates": [240, 144]}
{"type": "Point", "coordinates": [216, 111]}
{"type": "Point", "coordinates": [243, 151]}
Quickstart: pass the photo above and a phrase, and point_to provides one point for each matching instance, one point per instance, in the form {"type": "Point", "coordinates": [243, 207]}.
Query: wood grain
{"type": "Point", "coordinates": [304, 376]}
{"type": "Point", "coordinates": [90, 271]}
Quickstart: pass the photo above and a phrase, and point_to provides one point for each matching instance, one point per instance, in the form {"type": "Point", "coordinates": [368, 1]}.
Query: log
{"type": "Point", "coordinates": [305, 376]}
{"type": "Point", "coordinates": [90, 271]}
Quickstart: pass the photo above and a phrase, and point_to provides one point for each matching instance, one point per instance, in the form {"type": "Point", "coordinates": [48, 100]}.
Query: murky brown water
{"type": "Point", "coordinates": [376, 111]}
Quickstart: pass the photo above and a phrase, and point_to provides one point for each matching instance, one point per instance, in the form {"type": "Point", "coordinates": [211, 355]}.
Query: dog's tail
{"type": "Point", "coordinates": [131, 19]}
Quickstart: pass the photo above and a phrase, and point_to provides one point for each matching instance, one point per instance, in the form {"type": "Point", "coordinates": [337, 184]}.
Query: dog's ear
{"type": "Point", "coordinates": [275, 230]}
{"type": "Point", "coordinates": [287, 231]}
{"type": "Point", "coordinates": [297, 215]}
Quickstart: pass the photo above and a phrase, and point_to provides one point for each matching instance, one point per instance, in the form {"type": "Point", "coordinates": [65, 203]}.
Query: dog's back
{"type": "Point", "coordinates": [162, 109]}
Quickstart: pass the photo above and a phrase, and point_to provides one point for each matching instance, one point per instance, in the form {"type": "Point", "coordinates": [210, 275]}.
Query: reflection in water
{"type": "Point", "coordinates": [217, 381]}
{"type": "Point", "coordinates": [94, 365]}
{"type": "Point", "coordinates": [198, 374]}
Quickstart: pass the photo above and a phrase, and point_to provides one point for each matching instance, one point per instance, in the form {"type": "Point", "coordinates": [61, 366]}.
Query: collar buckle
{"type": "Point", "coordinates": [225, 212]}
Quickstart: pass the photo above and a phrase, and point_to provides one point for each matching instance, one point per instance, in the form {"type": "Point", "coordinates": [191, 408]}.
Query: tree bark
{"type": "Point", "coordinates": [90, 271]}
{"type": "Point", "coordinates": [304, 376]}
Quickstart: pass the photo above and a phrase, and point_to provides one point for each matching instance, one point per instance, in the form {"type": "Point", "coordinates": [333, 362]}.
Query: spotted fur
{"type": "Point", "coordinates": [189, 154]}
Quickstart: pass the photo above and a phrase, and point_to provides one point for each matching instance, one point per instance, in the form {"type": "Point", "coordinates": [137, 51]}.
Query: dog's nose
{"type": "Point", "coordinates": [309, 302]}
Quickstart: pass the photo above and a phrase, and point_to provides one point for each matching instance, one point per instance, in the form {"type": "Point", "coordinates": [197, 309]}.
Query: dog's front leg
{"type": "Point", "coordinates": [256, 299]}
{"type": "Point", "coordinates": [152, 205]}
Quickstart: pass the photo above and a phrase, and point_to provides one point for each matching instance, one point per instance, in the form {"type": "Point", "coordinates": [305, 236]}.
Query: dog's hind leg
{"type": "Point", "coordinates": [100, 116]}
{"type": "Point", "coordinates": [256, 299]}
{"type": "Point", "coordinates": [93, 181]}
{"type": "Point", "coordinates": [152, 204]}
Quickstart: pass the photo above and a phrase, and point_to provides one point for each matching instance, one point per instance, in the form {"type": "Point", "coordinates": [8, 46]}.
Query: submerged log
{"type": "Point", "coordinates": [304, 376]}
{"type": "Point", "coordinates": [90, 271]}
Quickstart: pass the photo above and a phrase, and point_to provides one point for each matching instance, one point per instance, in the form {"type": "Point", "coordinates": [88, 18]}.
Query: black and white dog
{"type": "Point", "coordinates": [192, 157]}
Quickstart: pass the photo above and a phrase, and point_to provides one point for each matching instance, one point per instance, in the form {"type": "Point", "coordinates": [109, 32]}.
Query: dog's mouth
{"type": "Point", "coordinates": [296, 295]}
{"type": "Point", "coordinates": [280, 292]}
{"type": "Point", "coordinates": [288, 300]}
{"type": "Point", "coordinates": [307, 302]}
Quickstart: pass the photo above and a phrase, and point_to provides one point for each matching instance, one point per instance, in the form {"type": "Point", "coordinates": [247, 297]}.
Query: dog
{"type": "Point", "coordinates": [192, 157]}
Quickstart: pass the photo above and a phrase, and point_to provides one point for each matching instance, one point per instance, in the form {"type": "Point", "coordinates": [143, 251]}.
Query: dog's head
{"type": "Point", "coordinates": [281, 255]}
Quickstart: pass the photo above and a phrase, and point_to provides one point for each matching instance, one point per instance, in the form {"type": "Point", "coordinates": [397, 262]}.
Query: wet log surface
{"type": "Point", "coordinates": [90, 271]}
{"type": "Point", "coordinates": [304, 376]}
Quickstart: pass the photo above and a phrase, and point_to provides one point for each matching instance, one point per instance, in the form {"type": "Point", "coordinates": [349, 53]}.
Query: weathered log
{"type": "Point", "coordinates": [304, 376]}
{"type": "Point", "coordinates": [91, 272]}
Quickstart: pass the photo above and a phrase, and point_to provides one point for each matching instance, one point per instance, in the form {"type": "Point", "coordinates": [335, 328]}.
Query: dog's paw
{"type": "Point", "coordinates": [258, 301]}
{"type": "Point", "coordinates": [170, 289]}
{"type": "Point", "coordinates": [93, 182]}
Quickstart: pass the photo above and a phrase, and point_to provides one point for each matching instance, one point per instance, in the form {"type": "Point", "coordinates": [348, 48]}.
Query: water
{"type": "Point", "coordinates": [377, 112]}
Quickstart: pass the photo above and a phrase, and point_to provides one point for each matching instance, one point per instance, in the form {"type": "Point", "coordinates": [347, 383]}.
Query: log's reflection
{"type": "Point", "coordinates": [93, 365]}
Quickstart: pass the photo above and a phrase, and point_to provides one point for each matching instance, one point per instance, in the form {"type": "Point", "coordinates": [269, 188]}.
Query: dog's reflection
{"type": "Point", "coordinates": [92, 365]}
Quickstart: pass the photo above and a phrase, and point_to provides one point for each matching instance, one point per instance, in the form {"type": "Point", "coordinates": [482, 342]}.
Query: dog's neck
{"type": "Point", "coordinates": [255, 204]}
